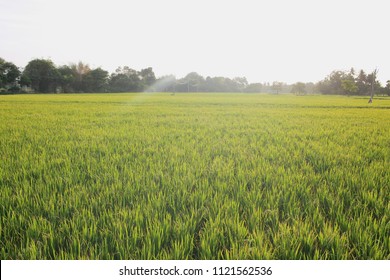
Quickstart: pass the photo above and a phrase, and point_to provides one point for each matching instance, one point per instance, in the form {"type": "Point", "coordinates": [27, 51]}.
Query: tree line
{"type": "Point", "coordinates": [352, 83]}
{"type": "Point", "coordinates": [43, 76]}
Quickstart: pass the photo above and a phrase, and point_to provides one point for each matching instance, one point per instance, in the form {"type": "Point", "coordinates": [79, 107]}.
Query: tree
{"type": "Point", "coordinates": [387, 88]}
{"type": "Point", "coordinates": [96, 80]}
{"type": "Point", "coordinates": [240, 83]}
{"type": "Point", "coordinates": [310, 87]}
{"type": "Point", "coordinates": [220, 84]}
{"type": "Point", "coordinates": [332, 83]}
{"type": "Point", "coordinates": [67, 79]}
{"type": "Point", "coordinates": [41, 75]}
{"type": "Point", "coordinates": [147, 76]}
{"type": "Point", "coordinates": [348, 83]}
{"type": "Point", "coordinates": [352, 72]}
{"type": "Point", "coordinates": [80, 70]}
{"type": "Point", "coordinates": [165, 83]}
{"type": "Point", "coordinates": [349, 86]}
{"type": "Point", "coordinates": [194, 81]}
{"type": "Point", "coordinates": [191, 82]}
{"type": "Point", "coordinates": [277, 87]}
{"type": "Point", "coordinates": [9, 76]}
{"type": "Point", "coordinates": [254, 88]}
{"type": "Point", "coordinates": [81, 78]}
{"type": "Point", "coordinates": [362, 83]}
{"type": "Point", "coordinates": [298, 88]}
{"type": "Point", "coordinates": [374, 84]}
{"type": "Point", "coordinates": [125, 80]}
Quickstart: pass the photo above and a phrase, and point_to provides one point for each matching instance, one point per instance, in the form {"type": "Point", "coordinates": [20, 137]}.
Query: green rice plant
{"type": "Point", "coordinates": [194, 176]}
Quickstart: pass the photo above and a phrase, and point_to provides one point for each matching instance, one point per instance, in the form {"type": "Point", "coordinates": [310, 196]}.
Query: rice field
{"type": "Point", "coordinates": [194, 176]}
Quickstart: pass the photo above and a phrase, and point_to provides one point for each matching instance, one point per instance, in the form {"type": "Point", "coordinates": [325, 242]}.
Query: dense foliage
{"type": "Point", "coordinates": [42, 76]}
{"type": "Point", "coordinates": [194, 176]}
{"type": "Point", "coordinates": [348, 83]}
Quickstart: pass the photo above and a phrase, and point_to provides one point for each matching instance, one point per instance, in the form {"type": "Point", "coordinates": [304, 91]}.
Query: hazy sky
{"type": "Point", "coordinates": [271, 40]}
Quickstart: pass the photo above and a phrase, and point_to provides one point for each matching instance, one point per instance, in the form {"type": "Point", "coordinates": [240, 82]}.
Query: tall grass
{"type": "Point", "coordinates": [194, 176]}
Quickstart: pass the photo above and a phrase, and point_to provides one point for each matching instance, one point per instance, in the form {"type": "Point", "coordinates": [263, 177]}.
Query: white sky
{"type": "Point", "coordinates": [263, 40]}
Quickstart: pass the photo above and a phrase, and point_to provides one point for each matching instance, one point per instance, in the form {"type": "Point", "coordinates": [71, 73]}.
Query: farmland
{"type": "Point", "coordinates": [194, 176]}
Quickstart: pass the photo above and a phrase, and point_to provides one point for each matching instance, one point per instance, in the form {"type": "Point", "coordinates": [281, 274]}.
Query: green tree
{"type": "Point", "coordinates": [67, 79]}
{"type": "Point", "coordinates": [349, 86]}
{"type": "Point", "coordinates": [254, 88]}
{"type": "Point", "coordinates": [375, 84]}
{"type": "Point", "coordinates": [148, 77]}
{"type": "Point", "coordinates": [80, 70]}
{"type": "Point", "coordinates": [332, 83]}
{"type": "Point", "coordinates": [221, 84]}
{"type": "Point", "coordinates": [125, 80]}
{"type": "Point", "coordinates": [192, 82]}
{"type": "Point", "coordinates": [298, 88]}
{"type": "Point", "coordinates": [277, 87]}
{"type": "Point", "coordinates": [165, 83]}
{"type": "Point", "coordinates": [362, 83]}
{"type": "Point", "coordinates": [41, 75]}
{"type": "Point", "coordinates": [240, 83]}
{"type": "Point", "coordinates": [96, 80]}
{"type": "Point", "coordinates": [387, 88]}
{"type": "Point", "coordinates": [9, 75]}
{"type": "Point", "coordinates": [217, 84]}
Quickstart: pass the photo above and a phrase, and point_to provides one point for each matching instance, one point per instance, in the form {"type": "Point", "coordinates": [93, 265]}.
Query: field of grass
{"type": "Point", "coordinates": [194, 176]}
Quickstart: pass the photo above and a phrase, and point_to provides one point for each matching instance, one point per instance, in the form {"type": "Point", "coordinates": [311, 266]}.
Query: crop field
{"type": "Point", "coordinates": [194, 176]}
